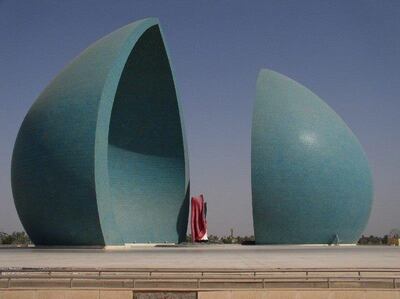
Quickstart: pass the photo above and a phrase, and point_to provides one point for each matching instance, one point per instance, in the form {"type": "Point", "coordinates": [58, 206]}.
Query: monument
{"type": "Point", "coordinates": [100, 158]}
{"type": "Point", "coordinates": [311, 183]}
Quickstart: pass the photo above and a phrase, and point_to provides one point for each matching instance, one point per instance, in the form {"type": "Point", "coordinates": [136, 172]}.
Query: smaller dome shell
{"type": "Point", "coordinates": [311, 182]}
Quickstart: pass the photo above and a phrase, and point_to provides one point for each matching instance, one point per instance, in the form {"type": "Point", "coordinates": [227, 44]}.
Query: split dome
{"type": "Point", "coordinates": [101, 156]}
{"type": "Point", "coordinates": [311, 182]}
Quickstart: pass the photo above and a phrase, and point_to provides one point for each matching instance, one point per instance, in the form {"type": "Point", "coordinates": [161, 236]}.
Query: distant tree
{"type": "Point", "coordinates": [213, 239]}
{"type": "Point", "coordinates": [227, 240]}
{"type": "Point", "coordinates": [246, 240]}
{"type": "Point", "coordinates": [20, 238]}
{"type": "Point", "coordinates": [17, 238]}
{"type": "Point", "coordinates": [7, 240]}
{"type": "Point", "coordinates": [371, 240]}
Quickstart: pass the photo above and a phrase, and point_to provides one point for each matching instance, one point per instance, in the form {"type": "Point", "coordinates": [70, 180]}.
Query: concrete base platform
{"type": "Point", "coordinates": [205, 256]}
{"type": "Point", "coordinates": [202, 272]}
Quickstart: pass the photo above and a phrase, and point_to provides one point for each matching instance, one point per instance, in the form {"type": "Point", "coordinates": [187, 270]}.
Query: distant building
{"type": "Point", "coordinates": [394, 241]}
{"type": "Point", "coordinates": [394, 237]}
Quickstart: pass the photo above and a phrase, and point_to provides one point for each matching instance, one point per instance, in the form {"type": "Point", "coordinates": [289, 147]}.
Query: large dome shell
{"type": "Point", "coordinates": [101, 157]}
{"type": "Point", "coordinates": [310, 177]}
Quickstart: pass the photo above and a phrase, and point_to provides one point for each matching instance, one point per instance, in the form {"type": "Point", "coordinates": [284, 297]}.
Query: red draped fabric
{"type": "Point", "coordinates": [198, 219]}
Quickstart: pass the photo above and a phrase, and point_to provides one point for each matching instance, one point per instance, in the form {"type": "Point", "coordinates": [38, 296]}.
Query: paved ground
{"type": "Point", "coordinates": [218, 256]}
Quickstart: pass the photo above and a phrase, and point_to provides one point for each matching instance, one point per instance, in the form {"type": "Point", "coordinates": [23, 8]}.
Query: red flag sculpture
{"type": "Point", "coordinates": [198, 219]}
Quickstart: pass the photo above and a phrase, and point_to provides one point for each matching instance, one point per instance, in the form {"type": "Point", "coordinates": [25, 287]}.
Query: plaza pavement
{"type": "Point", "coordinates": [205, 257]}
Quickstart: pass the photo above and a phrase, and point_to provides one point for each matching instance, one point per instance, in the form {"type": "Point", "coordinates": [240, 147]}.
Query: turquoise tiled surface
{"type": "Point", "coordinates": [101, 156]}
{"type": "Point", "coordinates": [310, 176]}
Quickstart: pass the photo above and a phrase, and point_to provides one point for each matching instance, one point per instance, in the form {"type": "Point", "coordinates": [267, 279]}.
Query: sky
{"type": "Point", "coordinates": [347, 52]}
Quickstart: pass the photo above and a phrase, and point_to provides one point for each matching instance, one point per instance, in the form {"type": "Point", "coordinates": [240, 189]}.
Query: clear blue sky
{"type": "Point", "coordinates": [347, 52]}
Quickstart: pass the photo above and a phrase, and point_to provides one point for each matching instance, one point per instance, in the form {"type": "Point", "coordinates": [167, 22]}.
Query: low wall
{"type": "Point", "coordinates": [244, 294]}
{"type": "Point", "coordinates": [68, 283]}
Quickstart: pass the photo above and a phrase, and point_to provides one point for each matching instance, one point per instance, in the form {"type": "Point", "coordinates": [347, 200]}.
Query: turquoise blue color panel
{"type": "Point", "coordinates": [310, 177]}
{"type": "Point", "coordinates": [101, 155]}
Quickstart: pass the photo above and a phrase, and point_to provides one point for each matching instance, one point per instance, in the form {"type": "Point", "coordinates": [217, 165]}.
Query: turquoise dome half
{"type": "Point", "coordinates": [311, 182]}
{"type": "Point", "coordinates": [100, 158]}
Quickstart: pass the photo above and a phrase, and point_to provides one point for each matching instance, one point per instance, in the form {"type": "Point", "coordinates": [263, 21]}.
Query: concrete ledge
{"type": "Point", "coordinates": [206, 279]}
{"type": "Point", "coordinates": [172, 284]}
{"type": "Point", "coordinates": [182, 274]}
{"type": "Point", "coordinates": [296, 284]}
{"type": "Point", "coordinates": [375, 284]}
{"type": "Point", "coordinates": [3, 283]}
{"type": "Point", "coordinates": [223, 274]}
{"type": "Point", "coordinates": [280, 274]}
{"type": "Point", "coordinates": [334, 274]}
{"type": "Point", "coordinates": [38, 274]}
{"type": "Point", "coordinates": [128, 246]}
{"type": "Point", "coordinates": [231, 284]}
{"type": "Point", "coordinates": [74, 274]}
{"type": "Point", "coordinates": [46, 271]}
{"type": "Point", "coordinates": [125, 274]}
{"type": "Point", "coordinates": [101, 283]}
{"type": "Point", "coordinates": [380, 273]}
{"type": "Point", "coordinates": [39, 283]}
